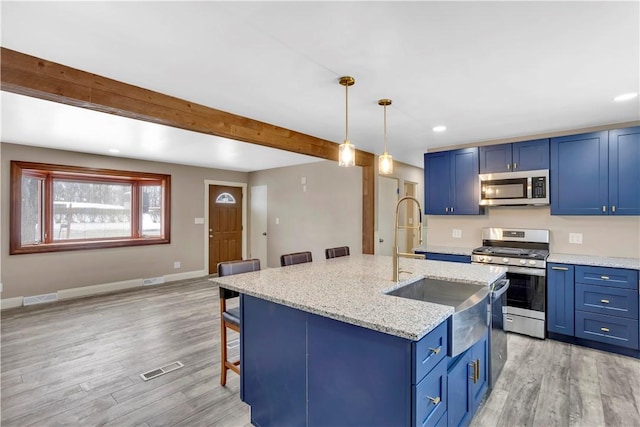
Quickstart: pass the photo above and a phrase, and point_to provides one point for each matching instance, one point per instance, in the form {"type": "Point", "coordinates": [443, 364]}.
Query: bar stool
{"type": "Point", "coordinates": [230, 317]}
{"type": "Point", "coordinates": [295, 258]}
{"type": "Point", "coordinates": [336, 252]}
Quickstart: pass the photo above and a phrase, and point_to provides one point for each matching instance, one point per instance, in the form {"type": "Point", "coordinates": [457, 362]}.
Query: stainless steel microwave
{"type": "Point", "coordinates": [515, 188]}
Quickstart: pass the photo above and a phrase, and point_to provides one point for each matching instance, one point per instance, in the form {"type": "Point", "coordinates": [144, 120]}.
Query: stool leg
{"type": "Point", "coordinates": [223, 353]}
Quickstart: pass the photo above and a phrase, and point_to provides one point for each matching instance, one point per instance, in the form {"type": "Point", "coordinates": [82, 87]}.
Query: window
{"type": "Point", "coordinates": [58, 208]}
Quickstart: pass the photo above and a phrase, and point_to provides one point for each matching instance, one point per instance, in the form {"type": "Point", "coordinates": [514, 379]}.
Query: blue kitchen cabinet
{"type": "Point", "coordinates": [467, 383]}
{"type": "Point", "coordinates": [624, 171]}
{"type": "Point", "coordinates": [517, 156]}
{"type": "Point", "coordinates": [596, 173]}
{"type": "Point", "coordinates": [560, 298]}
{"type": "Point", "coordinates": [273, 357]}
{"type": "Point", "coordinates": [451, 182]}
{"type": "Point", "coordinates": [302, 369]}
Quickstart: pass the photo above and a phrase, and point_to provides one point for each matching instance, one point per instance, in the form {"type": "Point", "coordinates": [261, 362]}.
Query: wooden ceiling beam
{"type": "Point", "coordinates": [28, 75]}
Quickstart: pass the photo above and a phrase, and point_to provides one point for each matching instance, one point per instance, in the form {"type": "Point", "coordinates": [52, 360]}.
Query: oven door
{"type": "Point", "coordinates": [527, 289]}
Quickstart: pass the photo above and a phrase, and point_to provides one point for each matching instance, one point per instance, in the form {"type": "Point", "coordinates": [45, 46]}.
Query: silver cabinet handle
{"type": "Point", "coordinates": [604, 208]}
{"type": "Point", "coordinates": [604, 301]}
{"type": "Point", "coordinates": [451, 209]}
{"type": "Point", "coordinates": [515, 165]}
{"type": "Point", "coordinates": [508, 166]}
{"type": "Point", "coordinates": [603, 329]}
{"type": "Point", "coordinates": [446, 209]}
{"type": "Point", "coordinates": [435, 350]}
{"type": "Point", "coordinates": [604, 277]}
{"type": "Point", "coordinates": [613, 208]}
{"type": "Point", "coordinates": [560, 268]}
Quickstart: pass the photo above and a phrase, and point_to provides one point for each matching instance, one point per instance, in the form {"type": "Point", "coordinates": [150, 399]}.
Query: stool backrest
{"type": "Point", "coordinates": [295, 258]}
{"type": "Point", "coordinates": [229, 268]}
{"type": "Point", "coordinates": [336, 252]}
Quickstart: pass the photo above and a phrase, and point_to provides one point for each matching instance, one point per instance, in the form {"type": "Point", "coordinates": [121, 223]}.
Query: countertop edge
{"type": "Point", "coordinates": [598, 261]}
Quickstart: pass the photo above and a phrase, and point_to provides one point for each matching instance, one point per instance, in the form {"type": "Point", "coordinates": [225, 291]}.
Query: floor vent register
{"type": "Point", "coordinates": [155, 373]}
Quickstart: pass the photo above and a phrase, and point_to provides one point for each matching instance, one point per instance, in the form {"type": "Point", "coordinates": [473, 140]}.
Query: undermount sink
{"type": "Point", "coordinates": [470, 302]}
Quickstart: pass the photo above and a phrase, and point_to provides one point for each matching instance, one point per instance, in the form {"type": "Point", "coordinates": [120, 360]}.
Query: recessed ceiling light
{"type": "Point", "coordinates": [114, 150]}
{"type": "Point", "coordinates": [625, 96]}
{"type": "Point", "coordinates": [439, 128]}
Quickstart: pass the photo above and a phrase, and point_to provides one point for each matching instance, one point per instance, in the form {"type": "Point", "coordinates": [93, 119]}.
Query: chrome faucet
{"type": "Point", "coordinates": [396, 253]}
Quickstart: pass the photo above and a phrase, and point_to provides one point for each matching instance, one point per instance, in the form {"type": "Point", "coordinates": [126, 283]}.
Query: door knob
{"type": "Point", "coordinates": [381, 240]}
{"type": "Point", "coordinates": [211, 236]}
{"type": "Point", "coordinates": [264, 234]}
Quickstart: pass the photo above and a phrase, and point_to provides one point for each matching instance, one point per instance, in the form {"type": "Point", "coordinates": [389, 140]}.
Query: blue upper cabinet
{"type": "Point", "coordinates": [525, 155]}
{"type": "Point", "coordinates": [451, 182]}
{"type": "Point", "coordinates": [624, 171]}
{"type": "Point", "coordinates": [596, 173]}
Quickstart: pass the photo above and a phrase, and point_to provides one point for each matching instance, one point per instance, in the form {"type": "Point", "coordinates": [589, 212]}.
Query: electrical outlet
{"type": "Point", "coordinates": [457, 233]}
{"type": "Point", "coordinates": [177, 264]}
{"type": "Point", "coordinates": [575, 238]}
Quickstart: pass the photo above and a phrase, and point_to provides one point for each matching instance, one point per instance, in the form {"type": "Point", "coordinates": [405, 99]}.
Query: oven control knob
{"type": "Point", "coordinates": [532, 262]}
{"type": "Point", "coordinates": [523, 261]}
{"type": "Point", "coordinates": [489, 259]}
{"type": "Point", "coordinates": [505, 260]}
{"type": "Point", "coordinates": [481, 259]}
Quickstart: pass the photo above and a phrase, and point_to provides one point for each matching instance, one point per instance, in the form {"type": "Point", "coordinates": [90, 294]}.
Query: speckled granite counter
{"type": "Point", "coordinates": [630, 263]}
{"type": "Point", "coordinates": [450, 250]}
{"type": "Point", "coordinates": [351, 289]}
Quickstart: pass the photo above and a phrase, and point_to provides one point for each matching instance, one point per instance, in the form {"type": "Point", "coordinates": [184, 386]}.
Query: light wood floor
{"type": "Point", "coordinates": [79, 362]}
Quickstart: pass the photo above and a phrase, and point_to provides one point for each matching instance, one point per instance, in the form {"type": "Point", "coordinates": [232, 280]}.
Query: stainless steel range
{"type": "Point", "coordinates": [524, 252]}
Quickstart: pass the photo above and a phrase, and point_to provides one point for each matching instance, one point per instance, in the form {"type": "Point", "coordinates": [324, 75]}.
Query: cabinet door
{"type": "Point", "coordinates": [459, 399]}
{"type": "Point", "coordinates": [478, 387]}
{"type": "Point", "coordinates": [530, 155]}
{"type": "Point", "coordinates": [495, 158]}
{"type": "Point", "coordinates": [579, 174]}
{"type": "Point", "coordinates": [437, 183]}
{"type": "Point", "coordinates": [560, 301]}
{"type": "Point", "coordinates": [465, 189]}
{"type": "Point", "coordinates": [624, 171]}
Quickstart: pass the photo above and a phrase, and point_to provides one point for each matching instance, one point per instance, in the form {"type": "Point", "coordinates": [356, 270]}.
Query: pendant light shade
{"type": "Point", "coordinates": [346, 150]}
{"type": "Point", "coordinates": [385, 161]}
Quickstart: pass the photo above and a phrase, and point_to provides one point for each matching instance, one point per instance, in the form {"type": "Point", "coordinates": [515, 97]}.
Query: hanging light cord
{"type": "Point", "coordinates": [385, 129]}
{"type": "Point", "coordinates": [346, 109]}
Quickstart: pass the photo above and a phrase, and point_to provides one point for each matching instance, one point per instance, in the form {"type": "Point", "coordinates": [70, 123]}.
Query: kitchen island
{"type": "Point", "coordinates": [322, 344]}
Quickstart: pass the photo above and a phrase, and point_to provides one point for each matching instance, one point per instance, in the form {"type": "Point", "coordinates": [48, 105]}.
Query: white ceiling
{"type": "Point", "coordinates": [486, 70]}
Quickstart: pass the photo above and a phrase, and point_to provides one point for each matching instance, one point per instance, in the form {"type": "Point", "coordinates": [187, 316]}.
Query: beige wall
{"type": "Point", "coordinates": [36, 274]}
{"type": "Point", "coordinates": [327, 214]}
{"type": "Point", "coordinates": [614, 236]}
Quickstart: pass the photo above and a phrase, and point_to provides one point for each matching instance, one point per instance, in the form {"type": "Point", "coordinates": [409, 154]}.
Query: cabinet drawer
{"type": "Point", "coordinates": [605, 276]}
{"type": "Point", "coordinates": [607, 329]}
{"type": "Point", "coordinates": [607, 300]}
{"type": "Point", "coordinates": [434, 256]}
{"type": "Point", "coordinates": [429, 351]}
{"type": "Point", "coordinates": [430, 397]}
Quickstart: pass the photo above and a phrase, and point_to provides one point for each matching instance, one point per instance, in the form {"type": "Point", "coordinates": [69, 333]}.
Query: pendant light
{"type": "Point", "coordinates": [385, 161]}
{"type": "Point", "coordinates": [346, 150]}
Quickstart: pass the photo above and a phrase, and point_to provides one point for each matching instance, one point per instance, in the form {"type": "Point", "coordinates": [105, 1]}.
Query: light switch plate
{"type": "Point", "coordinates": [575, 238]}
{"type": "Point", "coordinates": [457, 233]}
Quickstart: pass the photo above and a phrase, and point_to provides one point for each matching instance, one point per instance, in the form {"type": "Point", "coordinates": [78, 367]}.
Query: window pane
{"type": "Point", "coordinates": [86, 210]}
{"type": "Point", "coordinates": [151, 210]}
{"type": "Point", "coordinates": [31, 210]}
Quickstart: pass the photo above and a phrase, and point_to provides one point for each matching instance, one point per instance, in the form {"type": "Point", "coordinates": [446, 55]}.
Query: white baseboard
{"type": "Point", "coordinates": [11, 303]}
{"type": "Point", "coordinates": [104, 288]}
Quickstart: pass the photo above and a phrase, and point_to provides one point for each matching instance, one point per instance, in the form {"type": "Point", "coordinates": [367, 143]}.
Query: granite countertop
{"type": "Point", "coordinates": [351, 289]}
{"type": "Point", "coordinates": [450, 250]}
{"type": "Point", "coordinates": [600, 261]}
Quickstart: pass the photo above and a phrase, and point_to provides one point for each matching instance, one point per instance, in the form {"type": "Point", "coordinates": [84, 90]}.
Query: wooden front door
{"type": "Point", "coordinates": [225, 225]}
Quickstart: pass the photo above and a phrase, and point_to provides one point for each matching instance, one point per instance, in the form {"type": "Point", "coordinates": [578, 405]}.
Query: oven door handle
{"type": "Point", "coordinates": [499, 288]}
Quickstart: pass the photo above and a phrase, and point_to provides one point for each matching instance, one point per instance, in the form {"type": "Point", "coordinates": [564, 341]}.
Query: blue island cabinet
{"type": "Point", "coordinates": [301, 369]}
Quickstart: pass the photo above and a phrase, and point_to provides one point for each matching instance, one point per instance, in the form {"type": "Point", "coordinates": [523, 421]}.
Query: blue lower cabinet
{"type": "Point", "coordinates": [301, 369]}
{"type": "Point", "coordinates": [607, 300]}
{"type": "Point", "coordinates": [356, 376]}
{"type": "Point", "coordinates": [560, 298]}
{"type": "Point", "coordinates": [467, 383]}
{"type": "Point", "coordinates": [273, 362]}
